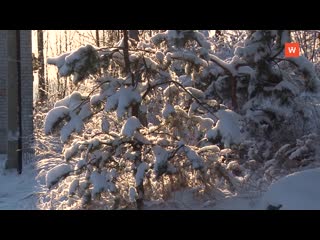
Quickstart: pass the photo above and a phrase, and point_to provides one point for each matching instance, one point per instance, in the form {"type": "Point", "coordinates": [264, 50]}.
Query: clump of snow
{"type": "Point", "coordinates": [168, 110]}
{"type": "Point", "coordinates": [200, 37]}
{"type": "Point", "coordinates": [73, 186]}
{"type": "Point", "coordinates": [297, 191]}
{"type": "Point", "coordinates": [225, 152]}
{"type": "Point", "coordinates": [141, 138]}
{"type": "Point", "coordinates": [196, 92]}
{"type": "Point", "coordinates": [67, 107]}
{"type": "Point", "coordinates": [132, 194]}
{"type": "Point", "coordinates": [246, 70]}
{"type": "Point", "coordinates": [194, 158]}
{"type": "Point", "coordinates": [255, 49]}
{"type": "Point", "coordinates": [233, 165]}
{"type": "Point", "coordinates": [307, 68]}
{"type": "Point", "coordinates": [297, 153]}
{"type": "Point", "coordinates": [112, 102]}
{"type": "Point", "coordinates": [228, 66]}
{"type": "Point", "coordinates": [211, 148]}
{"type": "Point", "coordinates": [180, 112]}
{"type": "Point", "coordinates": [205, 123]}
{"type": "Point", "coordinates": [80, 164]}
{"type": "Point", "coordinates": [56, 173]}
{"type": "Point", "coordinates": [53, 116]}
{"type": "Point", "coordinates": [63, 102]}
{"type": "Point", "coordinates": [185, 80]}
{"type": "Point", "coordinates": [190, 57]}
{"type": "Point", "coordinates": [227, 127]}
{"type": "Point", "coordinates": [127, 97]}
{"type": "Point", "coordinates": [75, 100]}
{"type": "Point", "coordinates": [80, 62]}
{"type": "Point", "coordinates": [99, 182]}
{"type": "Point", "coordinates": [171, 91]}
{"type": "Point", "coordinates": [95, 99]}
{"type": "Point", "coordinates": [85, 111]}
{"type": "Point", "coordinates": [193, 107]}
{"type": "Point", "coordinates": [105, 125]}
{"type": "Point", "coordinates": [71, 151]}
{"type": "Point", "coordinates": [159, 38]}
{"type": "Point", "coordinates": [94, 142]}
{"type": "Point", "coordinates": [131, 125]}
{"type": "Point", "coordinates": [150, 64]}
{"type": "Point", "coordinates": [281, 152]}
{"type": "Point", "coordinates": [140, 173]}
{"type": "Point", "coordinates": [75, 124]}
{"type": "Point", "coordinates": [161, 158]}
{"type": "Point", "coordinates": [58, 61]}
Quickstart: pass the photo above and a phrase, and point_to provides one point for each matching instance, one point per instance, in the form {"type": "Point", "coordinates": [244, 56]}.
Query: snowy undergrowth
{"type": "Point", "coordinates": [183, 118]}
{"type": "Point", "coordinates": [193, 124]}
{"type": "Point", "coordinates": [250, 178]}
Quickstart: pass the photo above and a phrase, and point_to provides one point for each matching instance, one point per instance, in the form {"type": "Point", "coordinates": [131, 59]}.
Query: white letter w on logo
{"type": "Point", "coordinates": [292, 49]}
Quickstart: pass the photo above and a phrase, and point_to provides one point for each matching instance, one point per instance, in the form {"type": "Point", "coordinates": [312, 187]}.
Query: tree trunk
{"type": "Point", "coordinates": [97, 38]}
{"type": "Point", "coordinates": [41, 79]}
{"type": "Point", "coordinates": [98, 45]}
{"type": "Point", "coordinates": [134, 112]}
{"type": "Point", "coordinates": [104, 37]}
{"type": "Point", "coordinates": [45, 54]}
{"type": "Point", "coordinates": [126, 54]}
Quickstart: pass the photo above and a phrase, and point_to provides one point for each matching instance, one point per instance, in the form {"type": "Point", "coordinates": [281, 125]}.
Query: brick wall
{"type": "Point", "coordinates": [27, 89]}
{"type": "Point", "coordinates": [3, 91]}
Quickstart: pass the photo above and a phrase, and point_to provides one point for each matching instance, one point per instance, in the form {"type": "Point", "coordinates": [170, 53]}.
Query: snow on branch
{"type": "Point", "coordinates": [190, 57]}
{"type": "Point", "coordinates": [54, 174]}
{"type": "Point", "coordinates": [140, 173]}
{"type": "Point", "coordinates": [308, 70]}
{"type": "Point", "coordinates": [227, 127]}
{"type": "Point", "coordinates": [131, 125]}
{"type": "Point", "coordinates": [53, 117]}
{"type": "Point", "coordinates": [226, 66]}
{"type": "Point", "coordinates": [80, 63]}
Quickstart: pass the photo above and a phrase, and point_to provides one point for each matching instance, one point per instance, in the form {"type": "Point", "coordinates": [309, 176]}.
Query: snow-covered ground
{"type": "Point", "coordinates": [185, 200]}
{"type": "Point", "coordinates": [17, 191]}
{"type": "Point", "coordinates": [299, 190]}
{"type": "Point", "coordinates": [27, 191]}
{"type": "Point", "coordinates": [295, 191]}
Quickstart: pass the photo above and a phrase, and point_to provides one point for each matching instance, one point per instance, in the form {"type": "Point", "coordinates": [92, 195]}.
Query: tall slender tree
{"type": "Point", "coordinates": [97, 38]}
{"type": "Point", "coordinates": [41, 84]}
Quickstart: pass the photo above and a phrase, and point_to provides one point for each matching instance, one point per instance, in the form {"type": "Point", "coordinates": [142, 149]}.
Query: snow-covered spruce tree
{"type": "Point", "coordinates": [276, 89]}
{"type": "Point", "coordinates": [160, 124]}
{"type": "Point", "coordinates": [139, 135]}
{"type": "Point", "coordinates": [278, 99]}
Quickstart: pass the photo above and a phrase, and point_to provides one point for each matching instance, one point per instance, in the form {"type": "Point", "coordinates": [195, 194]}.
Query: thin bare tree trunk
{"type": "Point", "coordinates": [42, 84]}
{"type": "Point", "coordinates": [126, 53]}
{"type": "Point", "coordinates": [46, 45]}
{"type": "Point", "coordinates": [59, 43]}
{"type": "Point", "coordinates": [134, 112]}
{"type": "Point", "coordinates": [104, 37]}
{"type": "Point", "coordinates": [97, 38]}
